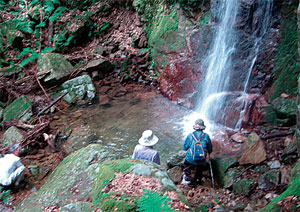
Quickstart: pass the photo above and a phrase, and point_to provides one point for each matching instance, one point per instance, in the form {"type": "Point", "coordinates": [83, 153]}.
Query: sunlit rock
{"type": "Point", "coordinates": [255, 153]}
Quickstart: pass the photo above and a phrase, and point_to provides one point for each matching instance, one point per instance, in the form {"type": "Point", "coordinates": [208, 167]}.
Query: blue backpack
{"type": "Point", "coordinates": [196, 149]}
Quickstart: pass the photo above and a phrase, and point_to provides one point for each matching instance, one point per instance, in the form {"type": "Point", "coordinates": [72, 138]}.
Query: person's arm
{"type": "Point", "coordinates": [156, 158]}
{"type": "Point", "coordinates": [187, 143]}
{"type": "Point", "coordinates": [209, 144]}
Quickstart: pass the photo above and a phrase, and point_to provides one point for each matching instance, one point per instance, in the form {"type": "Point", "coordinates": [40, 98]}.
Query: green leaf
{"type": "Point", "coordinates": [28, 60]}
{"type": "Point", "coordinates": [42, 24]}
{"type": "Point", "coordinates": [45, 50]}
{"type": "Point", "coordinates": [24, 52]}
{"type": "Point", "coordinates": [49, 7]}
{"type": "Point", "coordinates": [56, 2]}
{"type": "Point", "coordinates": [33, 2]}
{"type": "Point", "coordinates": [58, 12]}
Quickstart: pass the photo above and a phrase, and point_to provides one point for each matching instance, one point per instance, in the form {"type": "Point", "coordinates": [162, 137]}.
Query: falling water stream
{"type": "Point", "coordinates": [215, 89]}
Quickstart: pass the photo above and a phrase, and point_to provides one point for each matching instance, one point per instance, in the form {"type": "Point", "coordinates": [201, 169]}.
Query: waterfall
{"type": "Point", "coordinates": [216, 95]}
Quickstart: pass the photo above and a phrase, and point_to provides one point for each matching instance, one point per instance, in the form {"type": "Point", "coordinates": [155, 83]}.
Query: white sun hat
{"type": "Point", "coordinates": [148, 138]}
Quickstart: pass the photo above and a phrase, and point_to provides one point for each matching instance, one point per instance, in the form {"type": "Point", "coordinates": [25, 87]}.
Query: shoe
{"type": "Point", "coordinates": [185, 182]}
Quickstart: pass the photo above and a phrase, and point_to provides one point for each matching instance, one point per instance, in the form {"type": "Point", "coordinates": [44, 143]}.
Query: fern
{"type": "Point", "coordinates": [4, 195]}
{"type": "Point", "coordinates": [154, 202]}
{"type": "Point", "coordinates": [57, 14]}
{"type": "Point", "coordinates": [24, 26]}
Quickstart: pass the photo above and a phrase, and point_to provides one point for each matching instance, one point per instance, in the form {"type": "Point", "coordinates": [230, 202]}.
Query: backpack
{"type": "Point", "coordinates": [197, 150]}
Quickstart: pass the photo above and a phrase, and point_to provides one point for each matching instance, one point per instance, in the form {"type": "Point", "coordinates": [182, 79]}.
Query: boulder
{"type": "Point", "coordinates": [175, 174]}
{"type": "Point", "coordinates": [231, 175]}
{"type": "Point", "coordinates": [12, 136]}
{"type": "Point", "coordinates": [135, 179]}
{"type": "Point", "coordinates": [176, 159]}
{"type": "Point", "coordinates": [71, 181]}
{"type": "Point", "coordinates": [58, 66]}
{"type": "Point", "coordinates": [81, 90]}
{"type": "Point", "coordinates": [296, 170]}
{"type": "Point", "coordinates": [13, 36]}
{"type": "Point", "coordinates": [274, 164]}
{"type": "Point", "coordinates": [238, 137]}
{"type": "Point", "coordinates": [20, 109]}
{"type": "Point", "coordinates": [285, 109]}
{"type": "Point", "coordinates": [244, 186]}
{"type": "Point", "coordinates": [255, 153]}
{"type": "Point", "coordinates": [221, 165]}
{"type": "Point", "coordinates": [268, 180]}
{"type": "Point", "coordinates": [102, 66]}
{"type": "Point", "coordinates": [9, 71]}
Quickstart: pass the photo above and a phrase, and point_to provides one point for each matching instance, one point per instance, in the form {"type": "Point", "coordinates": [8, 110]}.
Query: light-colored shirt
{"type": "Point", "coordinates": [10, 168]}
{"type": "Point", "coordinates": [146, 153]}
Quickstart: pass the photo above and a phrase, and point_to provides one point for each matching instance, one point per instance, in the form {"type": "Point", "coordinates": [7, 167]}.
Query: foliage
{"type": "Point", "coordinates": [287, 68]}
{"type": "Point", "coordinates": [32, 55]}
{"type": "Point", "coordinates": [4, 195]}
{"type": "Point", "coordinates": [154, 201]}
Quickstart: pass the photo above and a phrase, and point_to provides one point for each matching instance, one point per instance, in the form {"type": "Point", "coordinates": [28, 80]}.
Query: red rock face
{"type": "Point", "coordinates": [179, 78]}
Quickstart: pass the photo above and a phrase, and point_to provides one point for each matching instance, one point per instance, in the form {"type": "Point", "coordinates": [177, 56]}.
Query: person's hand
{"type": "Point", "coordinates": [208, 158]}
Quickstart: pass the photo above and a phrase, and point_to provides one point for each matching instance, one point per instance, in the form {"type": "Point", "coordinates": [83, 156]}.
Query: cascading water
{"type": "Point", "coordinates": [217, 97]}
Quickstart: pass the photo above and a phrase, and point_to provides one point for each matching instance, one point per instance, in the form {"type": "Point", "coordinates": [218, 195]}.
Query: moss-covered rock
{"type": "Point", "coordinates": [296, 170]}
{"type": "Point", "coordinates": [81, 90]}
{"type": "Point", "coordinates": [244, 186]}
{"type": "Point", "coordinates": [12, 136]}
{"type": "Point", "coordinates": [20, 109]}
{"type": "Point", "coordinates": [13, 36]}
{"type": "Point", "coordinates": [71, 181]}
{"type": "Point", "coordinates": [58, 66]}
{"type": "Point", "coordinates": [231, 175]}
{"type": "Point", "coordinates": [9, 71]}
{"type": "Point", "coordinates": [298, 90]}
{"type": "Point", "coordinates": [104, 197]}
{"type": "Point", "coordinates": [268, 180]}
{"type": "Point", "coordinates": [221, 165]}
{"type": "Point", "coordinates": [285, 110]}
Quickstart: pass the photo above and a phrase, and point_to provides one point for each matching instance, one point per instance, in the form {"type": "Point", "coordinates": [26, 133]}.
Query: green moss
{"type": "Point", "coordinates": [296, 170]}
{"type": "Point", "coordinates": [287, 68]}
{"type": "Point", "coordinates": [293, 190]}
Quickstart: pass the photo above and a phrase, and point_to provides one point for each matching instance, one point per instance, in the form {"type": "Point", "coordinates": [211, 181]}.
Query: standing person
{"type": "Point", "coordinates": [12, 170]}
{"type": "Point", "coordinates": [198, 147]}
{"type": "Point", "coordinates": [144, 150]}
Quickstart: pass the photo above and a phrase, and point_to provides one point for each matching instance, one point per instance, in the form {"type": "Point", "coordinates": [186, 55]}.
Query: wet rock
{"type": "Point", "coordinates": [81, 90]}
{"type": "Point", "coordinates": [12, 136]}
{"type": "Point", "coordinates": [58, 66]}
{"type": "Point", "coordinates": [268, 180]}
{"type": "Point", "coordinates": [175, 174]}
{"type": "Point", "coordinates": [244, 186]}
{"type": "Point", "coordinates": [274, 164]}
{"type": "Point", "coordinates": [255, 153]}
{"type": "Point", "coordinates": [176, 160]}
{"type": "Point", "coordinates": [20, 109]}
{"type": "Point", "coordinates": [72, 179]}
{"type": "Point", "coordinates": [102, 66]}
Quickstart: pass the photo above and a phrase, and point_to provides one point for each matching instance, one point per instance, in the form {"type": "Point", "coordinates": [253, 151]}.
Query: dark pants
{"type": "Point", "coordinates": [187, 167]}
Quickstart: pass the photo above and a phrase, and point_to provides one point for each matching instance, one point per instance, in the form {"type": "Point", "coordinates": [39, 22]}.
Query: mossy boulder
{"type": "Point", "coordinates": [9, 71]}
{"type": "Point", "coordinates": [13, 36]}
{"type": "Point", "coordinates": [12, 136]}
{"type": "Point", "coordinates": [81, 90]}
{"type": "Point", "coordinates": [176, 159]}
{"type": "Point", "coordinates": [113, 175]}
{"type": "Point", "coordinates": [285, 109]}
{"type": "Point", "coordinates": [20, 109]}
{"type": "Point", "coordinates": [221, 165]}
{"type": "Point", "coordinates": [296, 170]}
{"type": "Point", "coordinates": [244, 186]}
{"type": "Point", "coordinates": [231, 175]}
{"type": "Point", "coordinates": [71, 181]}
{"type": "Point", "coordinates": [58, 66]}
{"type": "Point", "coordinates": [269, 180]}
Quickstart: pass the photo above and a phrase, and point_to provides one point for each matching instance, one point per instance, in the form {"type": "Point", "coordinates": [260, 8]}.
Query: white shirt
{"type": "Point", "coordinates": [10, 168]}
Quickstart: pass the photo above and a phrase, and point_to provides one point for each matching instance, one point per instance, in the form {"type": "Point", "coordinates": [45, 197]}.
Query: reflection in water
{"type": "Point", "coordinates": [120, 126]}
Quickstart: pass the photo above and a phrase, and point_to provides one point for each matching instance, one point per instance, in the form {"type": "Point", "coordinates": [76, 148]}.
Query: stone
{"type": "Point", "coordinates": [244, 186]}
{"type": "Point", "coordinates": [255, 153]}
{"type": "Point", "coordinates": [104, 100]}
{"type": "Point", "coordinates": [9, 71]}
{"type": "Point", "coordinates": [15, 38]}
{"type": "Point", "coordinates": [77, 207]}
{"type": "Point", "coordinates": [99, 50]}
{"type": "Point", "coordinates": [20, 109]}
{"type": "Point", "coordinates": [274, 164]}
{"type": "Point", "coordinates": [1, 113]}
{"type": "Point", "coordinates": [12, 136]}
{"type": "Point", "coordinates": [71, 180]}
{"type": "Point", "coordinates": [175, 174]}
{"type": "Point", "coordinates": [39, 172]}
{"type": "Point", "coordinates": [268, 180]}
{"type": "Point", "coordinates": [238, 137]}
{"type": "Point", "coordinates": [286, 110]}
{"type": "Point", "coordinates": [81, 90]}
{"type": "Point", "coordinates": [296, 170]}
{"type": "Point", "coordinates": [221, 165]}
{"type": "Point", "coordinates": [101, 65]}
{"type": "Point", "coordinates": [58, 66]}
{"type": "Point", "coordinates": [231, 175]}
{"type": "Point", "coordinates": [176, 160]}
